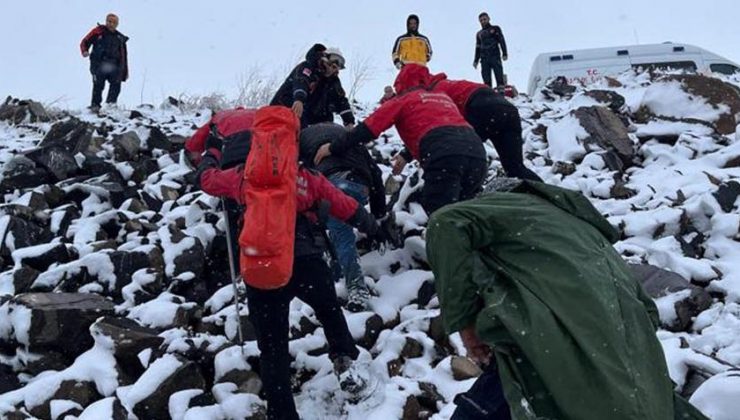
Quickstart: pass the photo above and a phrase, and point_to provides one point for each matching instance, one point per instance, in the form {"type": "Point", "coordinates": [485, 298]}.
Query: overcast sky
{"type": "Point", "coordinates": [197, 47]}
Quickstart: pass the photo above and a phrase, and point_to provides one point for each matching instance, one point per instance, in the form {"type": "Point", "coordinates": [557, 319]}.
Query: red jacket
{"type": "Point", "coordinates": [227, 122]}
{"type": "Point", "coordinates": [459, 91]}
{"type": "Point", "coordinates": [312, 187]}
{"type": "Point", "coordinates": [415, 110]}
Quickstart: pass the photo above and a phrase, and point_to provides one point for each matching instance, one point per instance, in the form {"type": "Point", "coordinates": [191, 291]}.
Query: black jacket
{"type": "Point", "coordinates": [490, 44]}
{"type": "Point", "coordinates": [357, 161]}
{"type": "Point", "coordinates": [107, 48]}
{"type": "Point", "coordinates": [322, 97]}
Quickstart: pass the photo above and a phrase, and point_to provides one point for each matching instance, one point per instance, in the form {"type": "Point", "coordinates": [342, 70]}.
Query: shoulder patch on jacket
{"type": "Point", "coordinates": [307, 71]}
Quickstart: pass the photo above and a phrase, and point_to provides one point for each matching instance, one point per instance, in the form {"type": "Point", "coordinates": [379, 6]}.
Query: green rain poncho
{"type": "Point", "coordinates": [572, 331]}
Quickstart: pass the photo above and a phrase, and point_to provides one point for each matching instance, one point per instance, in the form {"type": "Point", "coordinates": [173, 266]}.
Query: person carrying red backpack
{"type": "Point", "coordinates": [309, 278]}
{"type": "Point", "coordinates": [434, 133]}
{"type": "Point", "coordinates": [493, 117]}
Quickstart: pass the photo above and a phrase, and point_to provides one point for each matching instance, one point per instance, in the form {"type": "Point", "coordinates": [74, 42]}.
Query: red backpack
{"type": "Point", "coordinates": [267, 238]}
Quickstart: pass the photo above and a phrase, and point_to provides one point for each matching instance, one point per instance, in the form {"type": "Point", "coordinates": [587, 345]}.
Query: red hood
{"type": "Point", "coordinates": [411, 76]}
{"type": "Point", "coordinates": [269, 117]}
{"type": "Point", "coordinates": [437, 77]}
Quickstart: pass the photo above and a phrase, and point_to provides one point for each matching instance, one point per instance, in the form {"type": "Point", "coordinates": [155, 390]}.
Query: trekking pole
{"type": "Point", "coordinates": [234, 277]}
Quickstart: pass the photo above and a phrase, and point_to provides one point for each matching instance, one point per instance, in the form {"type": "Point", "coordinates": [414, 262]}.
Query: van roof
{"type": "Point", "coordinates": [640, 49]}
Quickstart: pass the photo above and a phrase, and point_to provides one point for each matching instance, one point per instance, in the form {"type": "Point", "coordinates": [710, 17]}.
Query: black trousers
{"type": "Point", "coordinates": [451, 179]}
{"type": "Point", "coordinates": [497, 119]}
{"type": "Point", "coordinates": [494, 64]}
{"type": "Point", "coordinates": [484, 400]}
{"type": "Point", "coordinates": [268, 312]}
{"type": "Point", "coordinates": [114, 87]}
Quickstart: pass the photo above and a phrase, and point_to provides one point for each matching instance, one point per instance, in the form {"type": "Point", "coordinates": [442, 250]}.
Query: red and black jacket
{"type": "Point", "coordinates": [225, 123]}
{"type": "Point", "coordinates": [420, 115]}
{"type": "Point", "coordinates": [313, 189]}
{"type": "Point", "coordinates": [322, 97]}
{"type": "Point", "coordinates": [107, 46]}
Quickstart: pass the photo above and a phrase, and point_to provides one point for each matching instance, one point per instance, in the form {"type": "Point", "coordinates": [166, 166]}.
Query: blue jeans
{"type": "Point", "coordinates": [343, 236]}
{"type": "Point", "coordinates": [484, 400]}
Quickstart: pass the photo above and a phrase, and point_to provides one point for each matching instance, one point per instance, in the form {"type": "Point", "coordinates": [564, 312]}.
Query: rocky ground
{"type": "Point", "coordinates": [114, 293]}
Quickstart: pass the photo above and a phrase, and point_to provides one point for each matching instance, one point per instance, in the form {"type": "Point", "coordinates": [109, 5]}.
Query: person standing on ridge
{"type": "Point", "coordinates": [490, 50]}
{"type": "Point", "coordinates": [313, 89]}
{"type": "Point", "coordinates": [412, 47]}
{"type": "Point", "coordinates": [108, 60]}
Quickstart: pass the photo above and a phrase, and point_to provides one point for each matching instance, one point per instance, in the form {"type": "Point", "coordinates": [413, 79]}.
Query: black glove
{"type": "Point", "coordinates": [214, 142]}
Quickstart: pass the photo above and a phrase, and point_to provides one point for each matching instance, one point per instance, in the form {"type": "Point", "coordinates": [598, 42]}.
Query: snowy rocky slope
{"type": "Point", "coordinates": [114, 293]}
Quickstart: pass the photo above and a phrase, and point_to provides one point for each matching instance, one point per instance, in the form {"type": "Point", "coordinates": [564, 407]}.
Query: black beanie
{"type": "Point", "coordinates": [412, 17]}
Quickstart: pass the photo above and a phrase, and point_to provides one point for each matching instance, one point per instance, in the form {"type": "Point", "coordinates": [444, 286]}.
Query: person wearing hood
{"type": "Point", "coordinates": [493, 118]}
{"type": "Point", "coordinates": [434, 133]}
{"type": "Point", "coordinates": [108, 60]}
{"type": "Point", "coordinates": [412, 47]}
{"type": "Point", "coordinates": [490, 49]}
{"type": "Point", "coordinates": [313, 89]}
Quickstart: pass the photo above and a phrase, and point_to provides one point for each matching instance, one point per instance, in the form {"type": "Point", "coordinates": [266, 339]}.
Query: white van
{"type": "Point", "coordinates": [587, 66]}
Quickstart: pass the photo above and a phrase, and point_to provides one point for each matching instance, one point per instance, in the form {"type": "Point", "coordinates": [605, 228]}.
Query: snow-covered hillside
{"type": "Point", "coordinates": [102, 212]}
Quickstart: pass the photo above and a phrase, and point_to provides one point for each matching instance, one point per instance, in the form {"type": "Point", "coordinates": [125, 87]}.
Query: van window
{"type": "Point", "coordinates": [724, 68]}
{"type": "Point", "coordinates": [669, 65]}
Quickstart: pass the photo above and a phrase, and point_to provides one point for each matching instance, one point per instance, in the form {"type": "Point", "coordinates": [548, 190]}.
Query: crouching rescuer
{"type": "Point", "coordinates": [281, 247]}
{"type": "Point", "coordinates": [528, 276]}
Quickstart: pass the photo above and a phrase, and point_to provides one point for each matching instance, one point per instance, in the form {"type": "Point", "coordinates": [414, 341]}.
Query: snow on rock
{"type": "Point", "coordinates": [127, 224]}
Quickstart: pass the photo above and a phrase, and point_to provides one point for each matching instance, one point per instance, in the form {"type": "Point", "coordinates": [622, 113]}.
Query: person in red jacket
{"type": "Point", "coordinates": [493, 117]}
{"type": "Point", "coordinates": [434, 133]}
{"type": "Point", "coordinates": [223, 124]}
{"type": "Point", "coordinates": [311, 282]}
{"type": "Point", "coordinates": [108, 60]}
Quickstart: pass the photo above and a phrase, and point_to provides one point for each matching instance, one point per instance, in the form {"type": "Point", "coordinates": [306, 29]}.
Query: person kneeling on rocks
{"type": "Point", "coordinates": [357, 175]}
{"type": "Point", "coordinates": [529, 277]}
{"type": "Point", "coordinates": [311, 279]}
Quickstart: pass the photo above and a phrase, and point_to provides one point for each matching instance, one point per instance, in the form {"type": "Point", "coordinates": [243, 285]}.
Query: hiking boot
{"type": "Point", "coordinates": [358, 296]}
{"type": "Point", "coordinates": [355, 378]}
{"type": "Point", "coordinates": [94, 108]}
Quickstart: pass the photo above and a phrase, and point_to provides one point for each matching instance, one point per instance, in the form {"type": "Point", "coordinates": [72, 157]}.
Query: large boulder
{"type": "Point", "coordinates": [605, 130]}
{"type": "Point", "coordinates": [126, 146]}
{"type": "Point", "coordinates": [60, 321]}
{"type": "Point", "coordinates": [81, 392]}
{"type": "Point", "coordinates": [72, 134]}
{"type": "Point", "coordinates": [55, 159]}
{"type": "Point", "coordinates": [611, 99]}
{"type": "Point", "coordinates": [19, 233]}
{"type": "Point", "coordinates": [149, 396]}
{"type": "Point", "coordinates": [21, 172]}
{"type": "Point", "coordinates": [129, 339]}
{"type": "Point", "coordinates": [659, 283]}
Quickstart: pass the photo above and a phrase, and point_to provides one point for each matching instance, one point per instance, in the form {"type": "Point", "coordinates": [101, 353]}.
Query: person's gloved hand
{"type": "Point", "coordinates": [399, 64]}
{"type": "Point", "coordinates": [214, 142]}
{"type": "Point", "coordinates": [475, 64]}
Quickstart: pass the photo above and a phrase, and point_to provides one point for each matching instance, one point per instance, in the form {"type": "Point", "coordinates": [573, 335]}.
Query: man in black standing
{"type": "Point", "coordinates": [490, 49]}
{"type": "Point", "coordinates": [313, 89]}
{"type": "Point", "coordinates": [108, 60]}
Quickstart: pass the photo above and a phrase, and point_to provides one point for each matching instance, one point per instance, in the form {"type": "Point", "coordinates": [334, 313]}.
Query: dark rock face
{"type": "Point", "coordinates": [717, 93]}
{"type": "Point", "coordinates": [60, 321]}
{"type": "Point", "coordinates": [129, 340]}
{"type": "Point", "coordinates": [612, 99]}
{"type": "Point", "coordinates": [21, 172]}
{"type": "Point", "coordinates": [72, 134]}
{"type": "Point", "coordinates": [727, 194]}
{"type": "Point", "coordinates": [126, 146]}
{"type": "Point", "coordinates": [560, 87]}
{"type": "Point", "coordinates": [56, 160]}
{"type": "Point", "coordinates": [658, 283]}
{"type": "Point", "coordinates": [8, 380]}
{"type": "Point", "coordinates": [606, 130]}
{"type": "Point", "coordinates": [41, 262]}
{"type": "Point", "coordinates": [83, 393]}
{"type": "Point", "coordinates": [17, 111]}
{"type": "Point", "coordinates": [156, 405]}
{"type": "Point", "coordinates": [373, 328]}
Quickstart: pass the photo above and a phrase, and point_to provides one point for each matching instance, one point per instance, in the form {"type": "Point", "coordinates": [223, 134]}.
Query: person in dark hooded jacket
{"type": "Point", "coordinates": [355, 174]}
{"type": "Point", "coordinates": [411, 47]}
{"type": "Point", "coordinates": [434, 133]}
{"type": "Point", "coordinates": [493, 117]}
{"type": "Point", "coordinates": [108, 60]}
{"type": "Point", "coordinates": [313, 89]}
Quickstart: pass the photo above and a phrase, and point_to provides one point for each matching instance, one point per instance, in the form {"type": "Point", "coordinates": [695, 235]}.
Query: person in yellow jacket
{"type": "Point", "coordinates": [412, 47]}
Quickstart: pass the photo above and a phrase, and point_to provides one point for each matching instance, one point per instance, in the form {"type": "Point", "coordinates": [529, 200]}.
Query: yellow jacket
{"type": "Point", "coordinates": [412, 48]}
